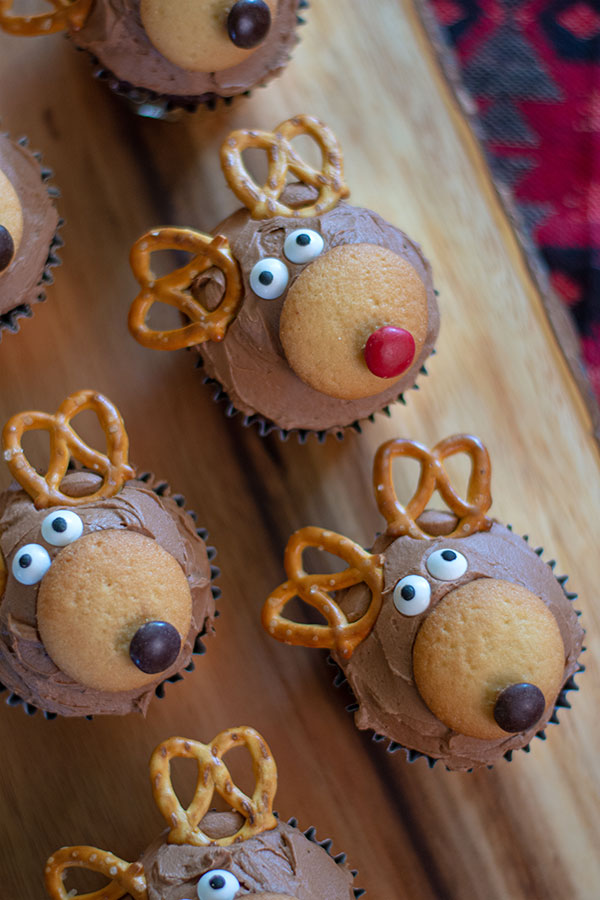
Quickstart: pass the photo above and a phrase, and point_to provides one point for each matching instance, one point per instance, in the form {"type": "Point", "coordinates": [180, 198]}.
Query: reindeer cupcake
{"type": "Point", "coordinates": [206, 855]}
{"type": "Point", "coordinates": [308, 312]}
{"type": "Point", "coordinates": [105, 584]}
{"type": "Point", "coordinates": [456, 638]}
{"type": "Point", "coordinates": [172, 52]}
{"type": "Point", "coordinates": [28, 231]}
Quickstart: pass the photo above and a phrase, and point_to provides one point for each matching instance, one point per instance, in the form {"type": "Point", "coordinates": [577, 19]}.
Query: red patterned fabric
{"type": "Point", "coordinates": [533, 68]}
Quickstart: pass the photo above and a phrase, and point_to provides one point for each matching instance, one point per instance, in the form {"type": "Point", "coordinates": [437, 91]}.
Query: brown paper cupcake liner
{"type": "Point", "coordinates": [411, 756]}
{"type": "Point", "coordinates": [168, 107]}
{"type": "Point", "coordinates": [161, 489]}
{"type": "Point", "coordinates": [9, 321]}
{"type": "Point", "coordinates": [339, 858]}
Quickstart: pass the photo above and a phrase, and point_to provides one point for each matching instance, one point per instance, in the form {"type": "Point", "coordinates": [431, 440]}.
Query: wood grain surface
{"type": "Point", "coordinates": [526, 829]}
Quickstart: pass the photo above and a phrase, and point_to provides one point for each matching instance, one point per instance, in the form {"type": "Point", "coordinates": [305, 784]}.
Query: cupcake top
{"type": "Point", "coordinates": [174, 47]}
{"type": "Point", "coordinates": [104, 582]}
{"type": "Point", "coordinates": [28, 222]}
{"type": "Point", "coordinates": [455, 637]}
{"type": "Point", "coordinates": [207, 855]}
{"type": "Point", "coordinates": [308, 311]}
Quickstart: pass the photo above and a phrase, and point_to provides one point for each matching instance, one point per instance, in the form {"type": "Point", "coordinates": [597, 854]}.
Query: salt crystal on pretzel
{"type": "Point", "coordinates": [68, 14]}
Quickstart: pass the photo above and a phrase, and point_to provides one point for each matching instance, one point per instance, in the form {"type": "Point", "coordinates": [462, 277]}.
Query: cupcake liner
{"type": "Point", "coordinates": [169, 107]}
{"type": "Point", "coordinates": [9, 321]}
{"type": "Point", "coordinates": [562, 702]}
{"type": "Point", "coordinates": [266, 427]}
{"type": "Point", "coordinates": [161, 489]}
{"type": "Point", "coordinates": [339, 858]}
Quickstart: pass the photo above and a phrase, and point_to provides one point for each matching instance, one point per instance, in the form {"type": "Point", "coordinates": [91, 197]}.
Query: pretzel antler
{"type": "Point", "coordinates": [339, 633]}
{"type": "Point", "coordinates": [65, 443]}
{"type": "Point", "coordinates": [213, 776]}
{"type": "Point", "coordinates": [174, 288]}
{"type": "Point", "coordinates": [470, 512]}
{"type": "Point", "coordinates": [128, 879]}
{"type": "Point", "coordinates": [264, 202]}
{"type": "Point", "coordinates": [68, 14]}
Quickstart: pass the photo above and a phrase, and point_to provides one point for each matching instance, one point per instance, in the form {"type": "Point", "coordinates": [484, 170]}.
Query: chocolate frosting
{"type": "Point", "coordinates": [281, 861]}
{"type": "Point", "coordinates": [380, 670]}
{"type": "Point", "coordinates": [115, 35]}
{"type": "Point", "coordinates": [250, 363]}
{"type": "Point", "coordinates": [25, 667]}
{"type": "Point", "coordinates": [20, 282]}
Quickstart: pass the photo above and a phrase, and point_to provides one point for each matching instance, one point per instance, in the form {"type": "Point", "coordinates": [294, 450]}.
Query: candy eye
{"type": "Point", "coordinates": [218, 885]}
{"type": "Point", "coordinates": [446, 564]}
{"type": "Point", "coordinates": [31, 563]}
{"type": "Point", "coordinates": [62, 527]}
{"type": "Point", "coordinates": [269, 278]}
{"type": "Point", "coordinates": [412, 595]}
{"type": "Point", "coordinates": [303, 245]}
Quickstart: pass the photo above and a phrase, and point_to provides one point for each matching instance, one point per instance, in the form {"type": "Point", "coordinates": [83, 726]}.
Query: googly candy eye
{"type": "Point", "coordinates": [218, 885]}
{"type": "Point", "coordinates": [446, 564]}
{"type": "Point", "coordinates": [31, 563]}
{"type": "Point", "coordinates": [269, 278]}
{"type": "Point", "coordinates": [62, 527]}
{"type": "Point", "coordinates": [303, 245]}
{"type": "Point", "coordinates": [412, 595]}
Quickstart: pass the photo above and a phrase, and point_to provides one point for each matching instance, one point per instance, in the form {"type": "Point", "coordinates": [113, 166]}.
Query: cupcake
{"type": "Point", "coordinates": [73, 544]}
{"type": "Point", "coordinates": [209, 855]}
{"type": "Point", "coordinates": [310, 314]}
{"type": "Point", "coordinates": [171, 51]}
{"type": "Point", "coordinates": [455, 637]}
{"type": "Point", "coordinates": [28, 231]}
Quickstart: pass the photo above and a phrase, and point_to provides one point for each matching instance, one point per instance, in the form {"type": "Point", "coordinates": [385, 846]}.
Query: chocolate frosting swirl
{"type": "Point", "coordinates": [114, 34]}
{"type": "Point", "coordinates": [25, 667]}
{"type": "Point", "coordinates": [380, 671]}
{"type": "Point", "coordinates": [20, 282]}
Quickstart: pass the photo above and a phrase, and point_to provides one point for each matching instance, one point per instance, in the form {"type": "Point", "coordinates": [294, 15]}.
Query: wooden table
{"type": "Point", "coordinates": [526, 829]}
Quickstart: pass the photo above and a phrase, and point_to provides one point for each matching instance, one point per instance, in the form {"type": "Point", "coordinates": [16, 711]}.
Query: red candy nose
{"type": "Point", "coordinates": [389, 351]}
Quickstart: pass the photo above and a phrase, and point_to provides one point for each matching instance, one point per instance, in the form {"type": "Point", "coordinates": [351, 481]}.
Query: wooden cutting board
{"type": "Point", "coordinates": [526, 829]}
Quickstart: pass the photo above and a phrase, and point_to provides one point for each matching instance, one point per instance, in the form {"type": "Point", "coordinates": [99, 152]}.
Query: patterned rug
{"type": "Point", "coordinates": [527, 73]}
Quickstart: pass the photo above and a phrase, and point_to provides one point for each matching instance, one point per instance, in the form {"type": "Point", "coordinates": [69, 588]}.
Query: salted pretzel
{"type": "Point", "coordinates": [264, 201]}
{"type": "Point", "coordinates": [68, 14]}
{"type": "Point", "coordinates": [470, 512]}
{"type": "Point", "coordinates": [65, 444]}
{"type": "Point", "coordinates": [213, 776]}
{"type": "Point", "coordinates": [339, 634]}
{"type": "Point", "coordinates": [174, 288]}
{"type": "Point", "coordinates": [128, 879]}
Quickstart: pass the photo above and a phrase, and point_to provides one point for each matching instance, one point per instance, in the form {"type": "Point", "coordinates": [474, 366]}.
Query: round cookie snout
{"type": "Point", "coordinates": [96, 596]}
{"type": "Point", "coordinates": [337, 303]}
{"type": "Point", "coordinates": [485, 639]}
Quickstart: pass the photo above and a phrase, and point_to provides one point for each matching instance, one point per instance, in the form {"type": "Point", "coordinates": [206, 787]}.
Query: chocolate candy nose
{"type": "Point", "coordinates": [389, 351]}
{"type": "Point", "coordinates": [519, 707]}
{"type": "Point", "coordinates": [7, 248]}
{"type": "Point", "coordinates": [154, 647]}
{"type": "Point", "coordinates": [248, 23]}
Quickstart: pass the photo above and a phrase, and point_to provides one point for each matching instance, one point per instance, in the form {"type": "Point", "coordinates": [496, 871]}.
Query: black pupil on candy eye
{"type": "Point", "coordinates": [25, 561]}
{"type": "Point", "coordinates": [303, 240]}
{"type": "Point", "coordinates": [448, 555]}
{"type": "Point", "coordinates": [408, 592]}
{"type": "Point", "coordinates": [266, 278]}
{"type": "Point", "coordinates": [59, 525]}
{"type": "Point", "coordinates": [217, 882]}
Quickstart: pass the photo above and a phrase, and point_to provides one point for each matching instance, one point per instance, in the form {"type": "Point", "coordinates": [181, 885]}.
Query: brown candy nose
{"type": "Point", "coordinates": [519, 707]}
{"type": "Point", "coordinates": [248, 23]}
{"type": "Point", "coordinates": [155, 647]}
{"type": "Point", "coordinates": [7, 248]}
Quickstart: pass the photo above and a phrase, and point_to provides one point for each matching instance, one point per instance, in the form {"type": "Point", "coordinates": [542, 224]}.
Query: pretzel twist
{"type": "Point", "coordinates": [213, 776]}
{"type": "Point", "coordinates": [65, 444]}
{"type": "Point", "coordinates": [264, 201]}
{"type": "Point", "coordinates": [470, 512]}
{"type": "Point", "coordinates": [339, 634]}
{"type": "Point", "coordinates": [68, 14]}
{"type": "Point", "coordinates": [174, 288]}
{"type": "Point", "coordinates": [128, 879]}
